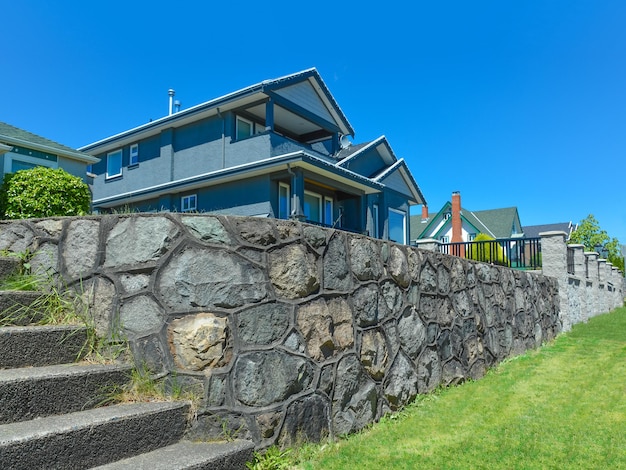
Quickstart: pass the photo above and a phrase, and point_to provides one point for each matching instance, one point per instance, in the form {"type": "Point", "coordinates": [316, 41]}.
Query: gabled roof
{"type": "Point", "coordinates": [499, 221]}
{"type": "Point", "coordinates": [14, 136]}
{"type": "Point", "coordinates": [533, 231]}
{"type": "Point", "coordinates": [300, 98]}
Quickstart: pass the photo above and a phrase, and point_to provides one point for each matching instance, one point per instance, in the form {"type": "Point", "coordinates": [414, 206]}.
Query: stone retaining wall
{"type": "Point", "coordinates": [289, 331]}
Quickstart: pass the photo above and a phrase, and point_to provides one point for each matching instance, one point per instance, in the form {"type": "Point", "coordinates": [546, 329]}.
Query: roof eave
{"type": "Point", "coordinates": [80, 156]}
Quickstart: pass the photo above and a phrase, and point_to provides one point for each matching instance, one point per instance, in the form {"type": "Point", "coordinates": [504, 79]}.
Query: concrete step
{"type": "Point", "coordinates": [189, 455]}
{"type": "Point", "coordinates": [32, 392]}
{"type": "Point", "coordinates": [41, 345]}
{"type": "Point", "coordinates": [94, 437]}
{"type": "Point", "coordinates": [16, 307]}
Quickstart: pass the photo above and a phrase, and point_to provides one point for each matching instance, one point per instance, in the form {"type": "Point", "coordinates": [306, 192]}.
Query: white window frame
{"type": "Point", "coordinates": [327, 214]}
{"type": "Point", "coordinates": [403, 215]}
{"type": "Point", "coordinates": [239, 119]}
{"type": "Point", "coordinates": [133, 158]}
{"type": "Point", "coordinates": [375, 221]}
{"type": "Point", "coordinates": [320, 207]}
{"type": "Point", "coordinates": [110, 156]}
{"type": "Point", "coordinates": [186, 204]}
{"type": "Point", "coordinates": [287, 188]}
{"type": "Point", "coordinates": [444, 239]}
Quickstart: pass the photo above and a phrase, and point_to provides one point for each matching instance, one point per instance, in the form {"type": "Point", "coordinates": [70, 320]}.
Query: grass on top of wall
{"type": "Point", "coordinates": [562, 406]}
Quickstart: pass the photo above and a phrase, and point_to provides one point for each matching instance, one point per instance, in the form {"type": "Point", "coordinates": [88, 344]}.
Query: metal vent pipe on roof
{"type": "Point", "coordinates": [171, 93]}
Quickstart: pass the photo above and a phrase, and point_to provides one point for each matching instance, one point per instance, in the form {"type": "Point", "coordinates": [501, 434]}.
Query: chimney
{"type": "Point", "coordinates": [457, 231]}
{"type": "Point", "coordinates": [424, 213]}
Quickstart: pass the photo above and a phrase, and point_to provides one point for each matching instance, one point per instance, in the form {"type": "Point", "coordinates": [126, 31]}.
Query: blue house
{"type": "Point", "coordinates": [275, 149]}
{"type": "Point", "coordinates": [21, 150]}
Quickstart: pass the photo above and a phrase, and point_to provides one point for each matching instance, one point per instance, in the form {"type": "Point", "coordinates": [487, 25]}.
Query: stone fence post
{"type": "Point", "coordinates": [554, 264]}
{"type": "Point", "coordinates": [579, 259]}
{"type": "Point", "coordinates": [429, 244]}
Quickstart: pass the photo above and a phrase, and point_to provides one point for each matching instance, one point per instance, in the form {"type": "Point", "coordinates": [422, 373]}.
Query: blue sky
{"type": "Point", "coordinates": [512, 103]}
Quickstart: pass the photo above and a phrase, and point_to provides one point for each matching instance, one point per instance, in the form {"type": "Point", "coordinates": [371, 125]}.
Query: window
{"type": "Point", "coordinates": [114, 164]}
{"type": "Point", "coordinates": [328, 211]}
{"type": "Point", "coordinates": [312, 206]}
{"type": "Point", "coordinates": [471, 237]}
{"type": "Point", "coordinates": [134, 155]}
{"type": "Point", "coordinates": [445, 239]}
{"type": "Point", "coordinates": [375, 233]}
{"type": "Point", "coordinates": [188, 203]}
{"type": "Point", "coordinates": [447, 215]}
{"type": "Point", "coordinates": [397, 226]}
{"type": "Point", "coordinates": [244, 128]}
{"type": "Point", "coordinates": [284, 201]}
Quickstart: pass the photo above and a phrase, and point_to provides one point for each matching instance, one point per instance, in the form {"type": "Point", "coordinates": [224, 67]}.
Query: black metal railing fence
{"type": "Point", "coordinates": [517, 253]}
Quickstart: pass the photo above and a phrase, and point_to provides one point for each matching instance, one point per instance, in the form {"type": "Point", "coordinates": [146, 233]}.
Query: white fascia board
{"type": "Point", "coordinates": [5, 148]}
{"type": "Point", "coordinates": [373, 143]}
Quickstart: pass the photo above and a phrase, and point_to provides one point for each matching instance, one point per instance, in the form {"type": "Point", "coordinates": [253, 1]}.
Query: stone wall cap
{"type": "Point", "coordinates": [575, 245]}
{"type": "Point", "coordinates": [426, 240]}
{"type": "Point", "coordinates": [553, 233]}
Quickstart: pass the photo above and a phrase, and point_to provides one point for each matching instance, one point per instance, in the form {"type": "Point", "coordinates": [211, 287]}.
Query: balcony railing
{"type": "Point", "coordinates": [517, 253]}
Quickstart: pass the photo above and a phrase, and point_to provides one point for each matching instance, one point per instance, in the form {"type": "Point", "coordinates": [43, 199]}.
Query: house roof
{"type": "Point", "coordinates": [499, 221]}
{"type": "Point", "coordinates": [494, 222]}
{"type": "Point", "coordinates": [14, 136]}
{"type": "Point", "coordinates": [323, 112]}
{"type": "Point", "coordinates": [533, 231]}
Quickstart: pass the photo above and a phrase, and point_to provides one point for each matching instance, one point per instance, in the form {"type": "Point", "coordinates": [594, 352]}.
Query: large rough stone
{"type": "Point", "coordinates": [45, 261]}
{"type": "Point", "coordinates": [256, 231]}
{"type": "Point", "coordinates": [207, 228]}
{"type": "Point", "coordinates": [365, 258]}
{"type": "Point", "coordinates": [141, 315]}
{"type": "Point", "coordinates": [443, 280]}
{"type": "Point", "coordinates": [15, 237]}
{"type": "Point", "coordinates": [428, 371]}
{"type": "Point", "coordinates": [80, 248]}
{"type": "Point", "coordinates": [355, 399]}
{"type": "Point", "coordinates": [366, 306]}
{"type": "Point", "coordinates": [201, 341]}
{"type": "Point", "coordinates": [293, 272]}
{"type": "Point", "coordinates": [399, 267]}
{"type": "Point", "coordinates": [267, 424]}
{"type": "Point", "coordinates": [151, 353]}
{"type": "Point", "coordinates": [437, 308]}
{"type": "Point", "coordinates": [98, 297]}
{"type": "Point", "coordinates": [263, 378]}
{"type": "Point", "coordinates": [374, 355]}
{"type": "Point", "coordinates": [263, 324]}
{"type": "Point", "coordinates": [138, 240]}
{"type": "Point", "coordinates": [307, 419]}
{"type": "Point", "coordinates": [326, 327]}
{"type": "Point", "coordinates": [401, 383]}
{"type": "Point", "coordinates": [412, 332]}
{"type": "Point", "coordinates": [210, 278]}
{"type": "Point", "coordinates": [414, 260]}
{"type": "Point", "coordinates": [392, 295]}
{"type": "Point", "coordinates": [315, 236]}
{"type": "Point", "coordinates": [452, 373]}
{"type": "Point", "coordinates": [134, 282]}
{"type": "Point", "coordinates": [428, 279]}
{"type": "Point", "coordinates": [52, 227]}
{"type": "Point", "coordinates": [337, 274]}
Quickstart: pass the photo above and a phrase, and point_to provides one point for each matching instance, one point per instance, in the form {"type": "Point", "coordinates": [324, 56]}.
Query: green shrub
{"type": "Point", "coordinates": [43, 192]}
{"type": "Point", "coordinates": [487, 252]}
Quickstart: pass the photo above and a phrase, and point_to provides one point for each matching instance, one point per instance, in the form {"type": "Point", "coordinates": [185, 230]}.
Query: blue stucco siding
{"type": "Point", "coordinates": [368, 164]}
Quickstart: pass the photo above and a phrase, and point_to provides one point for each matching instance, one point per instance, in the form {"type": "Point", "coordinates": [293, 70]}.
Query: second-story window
{"type": "Point", "coordinates": [134, 155]}
{"type": "Point", "coordinates": [284, 201]}
{"type": "Point", "coordinates": [114, 164]}
{"type": "Point", "coordinates": [244, 128]}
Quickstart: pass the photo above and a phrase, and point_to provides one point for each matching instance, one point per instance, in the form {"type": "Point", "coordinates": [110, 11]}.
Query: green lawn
{"type": "Point", "coordinates": [560, 407]}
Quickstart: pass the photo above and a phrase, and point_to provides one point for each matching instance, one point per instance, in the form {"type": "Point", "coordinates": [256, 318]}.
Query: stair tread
{"type": "Point", "coordinates": [59, 370]}
{"type": "Point", "coordinates": [40, 428]}
{"type": "Point", "coordinates": [184, 454]}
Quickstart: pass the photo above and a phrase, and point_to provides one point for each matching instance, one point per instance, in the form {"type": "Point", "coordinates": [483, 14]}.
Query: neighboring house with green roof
{"type": "Point", "coordinates": [497, 223]}
{"type": "Point", "coordinates": [21, 150]}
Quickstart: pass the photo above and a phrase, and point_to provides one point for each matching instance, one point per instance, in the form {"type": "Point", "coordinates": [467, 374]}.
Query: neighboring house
{"type": "Point", "coordinates": [275, 149]}
{"type": "Point", "coordinates": [454, 224]}
{"type": "Point", "coordinates": [21, 150]}
{"type": "Point", "coordinates": [533, 231]}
